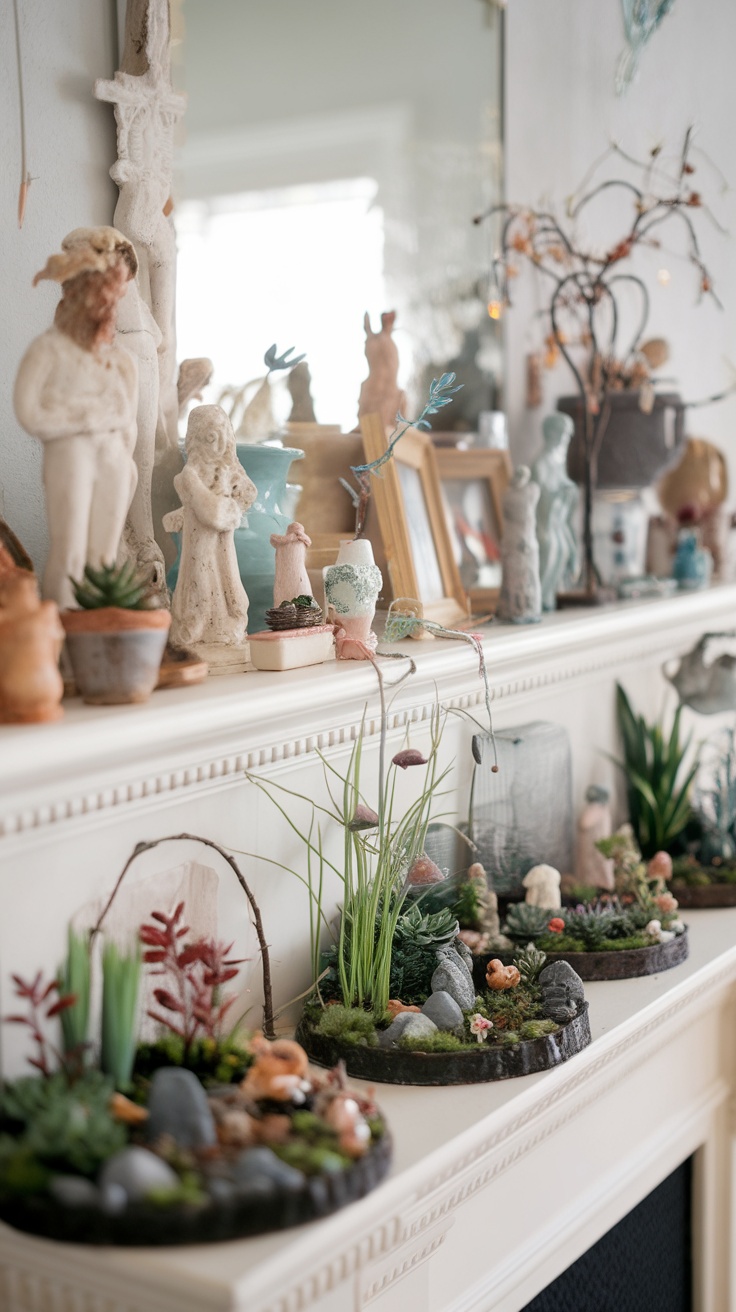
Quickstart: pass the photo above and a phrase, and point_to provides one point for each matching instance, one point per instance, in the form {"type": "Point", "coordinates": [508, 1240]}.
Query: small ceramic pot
{"type": "Point", "coordinates": [352, 586]}
{"type": "Point", "coordinates": [292, 649]}
{"type": "Point", "coordinates": [115, 654]}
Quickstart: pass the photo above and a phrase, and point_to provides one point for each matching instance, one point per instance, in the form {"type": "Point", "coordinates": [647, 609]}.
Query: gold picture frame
{"type": "Point", "coordinates": [412, 523]}
{"type": "Point", "coordinates": [473, 485]}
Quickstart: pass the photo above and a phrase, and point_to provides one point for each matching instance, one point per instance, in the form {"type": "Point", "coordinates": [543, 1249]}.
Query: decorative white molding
{"type": "Point", "coordinates": [191, 741]}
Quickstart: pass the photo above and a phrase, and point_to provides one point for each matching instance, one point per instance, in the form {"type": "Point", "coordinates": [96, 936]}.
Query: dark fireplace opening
{"type": "Point", "coordinates": [644, 1264]}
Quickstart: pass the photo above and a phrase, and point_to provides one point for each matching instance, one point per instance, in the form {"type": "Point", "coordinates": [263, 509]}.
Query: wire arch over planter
{"type": "Point", "coordinates": [140, 848]}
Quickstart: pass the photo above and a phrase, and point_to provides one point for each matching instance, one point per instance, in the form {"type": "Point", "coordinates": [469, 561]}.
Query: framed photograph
{"type": "Point", "coordinates": [413, 525]}
{"type": "Point", "coordinates": [473, 485]}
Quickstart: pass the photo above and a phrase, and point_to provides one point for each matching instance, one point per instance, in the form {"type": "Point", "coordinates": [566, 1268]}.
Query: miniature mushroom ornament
{"type": "Point", "coordinates": [542, 884]}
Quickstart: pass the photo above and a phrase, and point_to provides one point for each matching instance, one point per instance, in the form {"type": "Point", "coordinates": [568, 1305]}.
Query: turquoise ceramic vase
{"type": "Point", "coordinates": [268, 467]}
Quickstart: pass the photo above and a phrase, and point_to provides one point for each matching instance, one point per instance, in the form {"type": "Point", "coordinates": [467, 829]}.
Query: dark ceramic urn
{"type": "Point", "coordinates": [637, 448]}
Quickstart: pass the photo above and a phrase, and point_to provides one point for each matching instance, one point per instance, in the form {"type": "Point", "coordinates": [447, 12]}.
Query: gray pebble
{"type": "Point", "coordinates": [256, 1166]}
{"type": "Point", "coordinates": [443, 1010]}
{"type": "Point", "coordinates": [74, 1191]}
{"type": "Point", "coordinates": [178, 1106]}
{"type": "Point", "coordinates": [138, 1172]}
{"type": "Point", "coordinates": [408, 1023]}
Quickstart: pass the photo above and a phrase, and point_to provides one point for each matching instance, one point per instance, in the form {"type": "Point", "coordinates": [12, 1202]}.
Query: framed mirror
{"type": "Point", "coordinates": [333, 156]}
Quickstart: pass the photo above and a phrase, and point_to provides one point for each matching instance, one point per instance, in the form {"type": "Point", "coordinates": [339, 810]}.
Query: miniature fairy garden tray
{"type": "Point", "coordinates": [526, 1017]}
{"type": "Point", "coordinates": [197, 1135]}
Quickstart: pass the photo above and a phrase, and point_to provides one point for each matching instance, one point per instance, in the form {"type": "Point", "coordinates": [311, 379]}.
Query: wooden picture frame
{"type": "Point", "coordinates": [473, 486]}
{"type": "Point", "coordinates": [412, 523]}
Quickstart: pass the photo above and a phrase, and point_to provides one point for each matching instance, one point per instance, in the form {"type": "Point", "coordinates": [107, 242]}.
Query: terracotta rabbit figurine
{"type": "Point", "coordinates": [31, 635]}
{"type": "Point", "coordinates": [380, 394]}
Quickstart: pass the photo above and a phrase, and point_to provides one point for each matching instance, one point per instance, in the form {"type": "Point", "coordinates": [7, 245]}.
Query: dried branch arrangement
{"type": "Point", "coordinates": [587, 287]}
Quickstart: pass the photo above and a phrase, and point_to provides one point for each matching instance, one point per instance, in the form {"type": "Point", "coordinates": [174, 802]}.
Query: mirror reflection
{"type": "Point", "coordinates": [335, 154]}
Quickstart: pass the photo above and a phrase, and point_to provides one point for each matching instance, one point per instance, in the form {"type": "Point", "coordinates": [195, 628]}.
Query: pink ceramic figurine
{"type": "Point", "coordinates": [380, 394]}
{"type": "Point", "coordinates": [291, 578]}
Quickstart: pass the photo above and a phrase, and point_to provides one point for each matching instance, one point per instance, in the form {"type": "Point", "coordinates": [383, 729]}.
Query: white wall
{"type": "Point", "coordinates": [561, 110]}
{"type": "Point", "coordinates": [71, 145]}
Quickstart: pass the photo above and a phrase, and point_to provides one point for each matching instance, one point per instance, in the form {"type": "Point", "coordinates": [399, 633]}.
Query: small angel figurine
{"type": "Point", "coordinates": [291, 578]}
{"type": "Point", "coordinates": [209, 609]}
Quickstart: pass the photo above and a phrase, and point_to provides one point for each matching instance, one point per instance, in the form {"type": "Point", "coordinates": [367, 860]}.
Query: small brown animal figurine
{"type": "Point", "coordinates": [31, 635]}
{"type": "Point", "coordinates": [279, 1071]}
{"type": "Point", "coordinates": [500, 977]}
{"type": "Point", "coordinates": [394, 1007]}
{"type": "Point", "coordinates": [345, 1111]}
{"type": "Point", "coordinates": [380, 394]}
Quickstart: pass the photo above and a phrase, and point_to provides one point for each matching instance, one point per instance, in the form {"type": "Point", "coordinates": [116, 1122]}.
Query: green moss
{"type": "Point", "coordinates": [349, 1024]}
{"type": "Point", "coordinates": [189, 1190]}
{"type": "Point", "coordinates": [312, 1159]}
{"type": "Point", "coordinates": [509, 1009]}
{"type": "Point", "coordinates": [439, 1042]}
{"type": "Point", "coordinates": [224, 1062]}
{"type": "Point", "coordinates": [508, 1039]}
{"type": "Point", "coordinates": [624, 944]}
{"type": "Point", "coordinates": [560, 943]}
{"type": "Point", "coordinates": [536, 1029]}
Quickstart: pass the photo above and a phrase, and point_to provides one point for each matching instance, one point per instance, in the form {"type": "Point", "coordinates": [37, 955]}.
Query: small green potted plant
{"type": "Point", "coordinates": [117, 638]}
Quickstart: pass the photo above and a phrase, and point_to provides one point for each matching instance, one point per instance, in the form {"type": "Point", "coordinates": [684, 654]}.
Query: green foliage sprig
{"type": "Point", "coordinates": [657, 779]}
{"type": "Point", "coordinates": [121, 974]}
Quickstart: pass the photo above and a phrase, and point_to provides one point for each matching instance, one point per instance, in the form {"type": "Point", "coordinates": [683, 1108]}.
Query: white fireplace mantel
{"type": "Point", "coordinates": [495, 1188]}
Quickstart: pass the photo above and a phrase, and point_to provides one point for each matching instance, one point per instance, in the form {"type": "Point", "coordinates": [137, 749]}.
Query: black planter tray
{"type": "Point", "coordinates": [629, 963]}
{"type": "Point", "coordinates": [701, 896]}
{"type": "Point", "coordinates": [474, 1066]}
{"type": "Point", "coordinates": [146, 1225]}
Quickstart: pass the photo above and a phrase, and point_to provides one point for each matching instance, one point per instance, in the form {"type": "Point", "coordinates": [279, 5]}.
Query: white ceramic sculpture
{"type": "Point", "coordinates": [559, 556]}
{"type": "Point", "coordinates": [542, 884]}
{"type": "Point", "coordinates": [77, 392]}
{"type": "Point", "coordinates": [209, 609]}
{"type": "Point", "coordinates": [146, 112]}
{"type": "Point", "coordinates": [352, 586]}
{"type": "Point", "coordinates": [520, 601]}
{"type": "Point", "coordinates": [292, 579]}
{"type": "Point", "coordinates": [592, 868]}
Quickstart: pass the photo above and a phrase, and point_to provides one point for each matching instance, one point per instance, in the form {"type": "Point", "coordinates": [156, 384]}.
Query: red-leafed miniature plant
{"type": "Point", "coordinates": [37, 994]}
{"type": "Point", "coordinates": [193, 1006]}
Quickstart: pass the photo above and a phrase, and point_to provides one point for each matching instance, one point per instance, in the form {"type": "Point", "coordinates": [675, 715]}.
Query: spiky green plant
{"type": "Point", "coordinates": [427, 929]}
{"type": "Point", "coordinates": [125, 587]}
{"type": "Point", "coordinates": [529, 963]}
{"type": "Point", "coordinates": [121, 974]}
{"type": "Point", "coordinates": [657, 779]}
{"type": "Point", "coordinates": [525, 922]}
{"type": "Point", "coordinates": [379, 848]}
{"type": "Point", "coordinates": [74, 977]}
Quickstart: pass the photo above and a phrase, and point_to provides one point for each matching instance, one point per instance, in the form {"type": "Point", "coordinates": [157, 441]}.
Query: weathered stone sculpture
{"type": "Point", "coordinates": [77, 392]}
{"type": "Point", "coordinates": [291, 578]}
{"type": "Point", "coordinates": [209, 609]}
{"type": "Point", "coordinates": [559, 557]}
{"type": "Point", "coordinates": [520, 601]}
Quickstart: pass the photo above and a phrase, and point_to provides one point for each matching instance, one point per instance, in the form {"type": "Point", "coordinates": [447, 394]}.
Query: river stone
{"type": "Point", "coordinates": [259, 1166]}
{"type": "Point", "coordinates": [454, 977]}
{"type": "Point", "coordinates": [443, 1010]}
{"type": "Point", "coordinates": [178, 1106]}
{"type": "Point", "coordinates": [137, 1171]}
{"type": "Point", "coordinates": [464, 953]}
{"type": "Point", "coordinates": [74, 1191]}
{"type": "Point", "coordinates": [562, 991]}
{"type": "Point", "coordinates": [410, 1023]}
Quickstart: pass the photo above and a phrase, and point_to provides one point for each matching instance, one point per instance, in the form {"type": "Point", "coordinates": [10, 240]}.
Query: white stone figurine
{"type": "Point", "coordinates": [559, 555]}
{"type": "Point", "coordinates": [520, 601]}
{"type": "Point", "coordinates": [542, 884]}
{"type": "Point", "coordinates": [291, 578]}
{"type": "Point", "coordinates": [77, 392]}
{"type": "Point", "coordinates": [209, 609]}
{"type": "Point", "coordinates": [592, 868]}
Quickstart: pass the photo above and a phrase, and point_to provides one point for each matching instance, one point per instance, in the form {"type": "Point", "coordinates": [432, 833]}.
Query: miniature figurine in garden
{"type": "Point", "coordinates": [520, 600]}
{"type": "Point", "coordinates": [380, 394]}
{"type": "Point", "coordinates": [291, 578]}
{"type": "Point", "coordinates": [592, 869]}
{"type": "Point", "coordinates": [31, 635]}
{"type": "Point", "coordinates": [559, 561]}
{"type": "Point", "coordinates": [542, 884]}
{"type": "Point", "coordinates": [210, 607]}
{"type": "Point", "coordinates": [77, 392]}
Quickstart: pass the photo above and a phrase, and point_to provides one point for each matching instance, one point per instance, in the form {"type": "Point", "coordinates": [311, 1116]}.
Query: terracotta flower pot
{"type": "Point", "coordinates": [115, 654]}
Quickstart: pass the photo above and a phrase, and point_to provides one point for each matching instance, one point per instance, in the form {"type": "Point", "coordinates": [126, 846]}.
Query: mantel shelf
{"type": "Point", "coordinates": [188, 737]}
{"type": "Point", "coordinates": [450, 1143]}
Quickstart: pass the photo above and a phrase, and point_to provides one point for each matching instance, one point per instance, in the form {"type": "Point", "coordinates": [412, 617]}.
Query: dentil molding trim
{"type": "Point", "coordinates": [192, 741]}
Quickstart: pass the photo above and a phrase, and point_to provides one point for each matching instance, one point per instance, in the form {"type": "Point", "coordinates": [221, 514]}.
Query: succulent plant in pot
{"type": "Point", "coordinates": [116, 639]}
